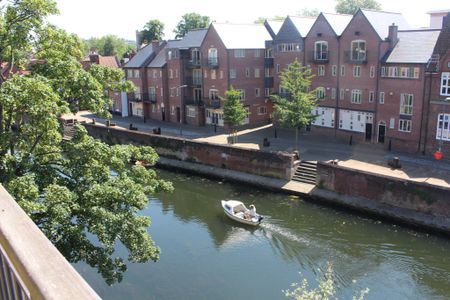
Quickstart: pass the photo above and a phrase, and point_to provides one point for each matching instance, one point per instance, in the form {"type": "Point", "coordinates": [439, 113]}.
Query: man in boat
{"type": "Point", "coordinates": [251, 213]}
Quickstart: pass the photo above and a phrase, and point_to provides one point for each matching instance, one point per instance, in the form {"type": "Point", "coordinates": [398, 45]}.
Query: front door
{"type": "Point", "coordinates": [178, 114]}
{"type": "Point", "coordinates": [381, 132]}
{"type": "Point", "coordinates": [368, 131]}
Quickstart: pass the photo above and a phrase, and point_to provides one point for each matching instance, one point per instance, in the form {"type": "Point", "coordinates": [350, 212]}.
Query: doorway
{"type": "Point", "coordinates": [368, 131]}
{"type": "Point", "coordinates": [178, 114]}
{"type": "Point", "coordinates": [381, 131]}
{"type": "Point", "coordinates": [163, 113]}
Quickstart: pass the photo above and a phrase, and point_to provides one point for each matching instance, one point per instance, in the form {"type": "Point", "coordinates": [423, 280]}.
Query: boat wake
{"type": "Point", "coordinates": [273, 230]}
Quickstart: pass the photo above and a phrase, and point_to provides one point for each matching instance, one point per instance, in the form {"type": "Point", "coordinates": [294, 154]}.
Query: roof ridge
{"type": "Point", "coordinates": [419, 29]}
{"type": "Point", "coordinates": [381, 11]}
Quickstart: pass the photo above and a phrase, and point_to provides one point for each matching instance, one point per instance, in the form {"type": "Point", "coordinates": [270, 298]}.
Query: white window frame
{"type": "Point", "coordinates": [342, 71]}
{"type": "Point", "coordinates": [443, 133]}
{"type": "Point", "coordinates": [371, 96]}
{"type": "Point", "coordinates": [381, 98]}
{"type": "Point", "coordinates": [242, 94]}
{"type": "Point", "coordinates": [356, 71]}
{"type": "Point", "coordinates": [136, 74]}
{"type": "Point", "coordinates": [321, 70]}
{"type": "Point", "coordinates": [247, 72]}
{"type": "Point", "coordinates": [320, 93]}
{"type": "Point", "coordinates": [356, 96]}
{"type": "Point", "coordinates": [406, 104]}
{"type": "Point", "coordinates": [321, 50]}
{"type": "Point", "coordinates": [257, 53]}
{"type": "Point", "coordinates": [239, 53]}
{"type": "Point", "coordinates": [262, 110]}
{"type": "Point", "coordinates": [333, 93]}
{"type": "Point", "coordinates": [334, 70]}
{"type": "Point", "coordinates": [445, 84]}
{"type": "Point", "coordinates": [257, 72]}
{"type": "Point", "coordinates": [372, 72]}
{"type": "Point", "coordinates": [232, 73]}
{"type": "Point", "coordinates": [257, 92]}
{"type": "Point", "coordinates": [342, 94]}
{"type": "Point", "coordinates": [357, 53]}
{"type": "Point", "coordinates": [404, 125]}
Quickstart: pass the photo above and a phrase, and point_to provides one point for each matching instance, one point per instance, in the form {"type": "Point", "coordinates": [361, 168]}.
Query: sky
{"type": "Point", "coordinates": [96, 18]}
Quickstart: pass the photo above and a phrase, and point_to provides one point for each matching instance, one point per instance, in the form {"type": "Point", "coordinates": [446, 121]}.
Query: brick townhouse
{"type": "Point", "coordinates": [234, 57]}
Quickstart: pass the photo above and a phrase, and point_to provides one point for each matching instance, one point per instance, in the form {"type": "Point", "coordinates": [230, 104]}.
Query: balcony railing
{"type": "Point", "coordinates": [355, 57]}
{"type": "Point", "coordinates": [268, 82]}
{"type": "Point", "coordinates": [138, 97]}
{"type": "Point", "coordinates": [212, 103]}
{"type": "Point", "coordinates": [152, 98]}
{"type": "Point", "coordinates": [192, 101]}
{"type": "Point", "coordinates": [30, 266]}
{"type": "Point", "coordinates": [212, 62]}
{"type": "Point", "coordinates": [193, 63]}
{"type": "Point", "coordinates": [318, 57]}
{"type": "Point", "coordinates": [195, 81]}
{"type": "Point", "coordinates": [268, 62]}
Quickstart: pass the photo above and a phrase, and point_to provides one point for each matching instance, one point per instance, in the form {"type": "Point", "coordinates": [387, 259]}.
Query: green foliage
{"type": "Point", "coordinates": [351, 6]}
{"type": "Point", "coordinates": [234, 112]}
{"type": "Point", "coordinates": [109, 45]}
{"type": "Point", "coordinates": [261, 20]}
{"type": "Point", "coordinates": [294, 108]}
{"type": "Point", "coordinates": [189, 22]}
{"type": "Point", "coordinates": [85, 196]}
{"type": "Point", "coordinates": [305, 12]}
{"type": "Point", "coordinates": [325, 290]}
{"type": "Point", "coordinates": [153, 31]}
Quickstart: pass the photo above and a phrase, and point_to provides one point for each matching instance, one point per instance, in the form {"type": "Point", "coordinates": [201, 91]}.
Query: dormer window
{"type": "Point", "coordinates": [358, 51]}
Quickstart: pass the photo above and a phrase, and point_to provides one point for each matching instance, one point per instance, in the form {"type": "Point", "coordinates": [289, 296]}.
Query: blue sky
{"type": "Point", "coordinates": [89, 18]}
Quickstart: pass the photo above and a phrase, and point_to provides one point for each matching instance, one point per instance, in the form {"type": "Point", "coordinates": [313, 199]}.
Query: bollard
{"type": "Point", "coordinates": [276, 135]}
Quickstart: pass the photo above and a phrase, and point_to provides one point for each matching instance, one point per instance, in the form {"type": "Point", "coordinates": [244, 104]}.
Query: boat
{"type": "Point", "coordinates": [237, 211]}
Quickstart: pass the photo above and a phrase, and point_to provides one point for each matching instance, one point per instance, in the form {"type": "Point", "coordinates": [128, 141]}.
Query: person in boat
{"type": "Point", "coordinates": [250, 213]}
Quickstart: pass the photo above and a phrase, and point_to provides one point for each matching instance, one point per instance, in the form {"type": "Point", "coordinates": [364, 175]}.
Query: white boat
{"type": "Point", "coordinates": [237, 211]}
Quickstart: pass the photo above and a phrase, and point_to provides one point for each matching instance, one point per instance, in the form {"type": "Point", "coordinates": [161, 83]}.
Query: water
{"type": "Point", "coordinates": [207, 256]}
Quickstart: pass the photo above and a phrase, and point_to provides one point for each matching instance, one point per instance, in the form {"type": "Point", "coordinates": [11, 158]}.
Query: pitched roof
{"type": "Point", "coordinates": [381, 20]}
{"type": "Point", "coordinates": [141, 57]}
{"type": "Point", "coordinates": [192, 39]}
{"type": "Point", "coordinates": [337, 21]}
{"type": "Point", "coordinates": [110, 61]}
{"type": "Point", "coordinates": [415, 46]}
{"type": "Point", "coordinates": [303, 24]}
{"type": "Point", "coordinates": [275, 25]}
{"type": "Point", "coordinates": [242, 36]}
{"type": "Point", "coordinates": [160, 59]}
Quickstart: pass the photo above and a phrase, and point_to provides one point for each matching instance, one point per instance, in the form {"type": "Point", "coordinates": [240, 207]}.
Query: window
{"type": "Point", "coordinates": [356, 71]}
{"type": "Point", "coordinates": [333, 93]}
{"type": "Point", "coordinates": [392, 123]}
{"type": "Point", "coordinates": [383, 71]}
{"type": "Point", "coordinates": [404, 125]}
{"type": "Point", "coordinates": [153, 108]}
{"type": "Point", "coordinates": [262, 110]}
{"type": "Point", "coordinates": [443, 127]}
{"type": "Point", "coordinates": [356, 96]}
{"type": "Point", "coordinates": [247, 72]}
{"type": "Point", "coordinates": [169, 55]}
{"type": "Point", "coordinates": [205, 74]}
{"type": "Point", "coordinates": [214, 94]}
{"type": "Point", "coordinates": [172, 110]}
{"type": "Point", "coordinates": [232, 73]}
{"type": "Point", "coordinates": [154, 73]}
{"type": "Point", "coordinates": [170, 73]}
{"type": "Point", "coordinates": [242, 98]}
{"type": "Point", "coordinates": [191, 112]}
{"type": "Point", "coordinates": [257, 53]}
{"type": "Point", "coordinates": [177, 91]}
{"type": "Point", "coordinates": [321, 50]}
{"type": "Point", "coordinates": [445, 84]}
{"type": "Point", "coordinates": [372, 72]}
{"type": "Point", "coordinates": [267, 92]}
{"type": "Point", "coordinates": [381, 98]}
{"type": "Point", "coordinates": [289, 47]}
{"type": "Point", "coordinates": [152, 93]}
{"type": "Point", "coordinates": [358, 50]}
{"type": "Point", "coordinates": [406, 104]}
{"type": "Point", "coordinates": [221, 74]}
{"type": "Point", "coordinates": [129, 73]}
{"type": "Point", "coordinates": [371, 96]}
{"type": "Point", "coordinates": [162, 92]}
{"type": "Point", "coordinates": [277, 68]}
{"type": "Point", "coordinates": [213, 74]}
{"type": "Point", "coordinates": [267, 72]}
{"type": "Point", "coordinates": [195, 55]}
{"type": "Point", "coordinates": [257, 73]}
{"type": "Point", "coordinates": [176, 73]}
{"type": "Point", "coordinates": [212, 56]}
{"type": "Point", "coordinates": [320, 93]}
{"type": "Point", "coordinates": [320, 70]}
{"type": "Point", "coordinates": [238, 53]}
{"type": "Point", "coordinates": [136, 74]}
{"type": "Point", "coordinates": [197, 77]}
{"type": "Point", "coordinates": [341, 94]}
{"type": "Point", "coordinates": [197, 94]}
{"type": "Point", "coordinates": [257, 92]}
{"type": "Point", "coordinates": [342, 70]}
{"type": "Point", "coordinates": [334, 70]}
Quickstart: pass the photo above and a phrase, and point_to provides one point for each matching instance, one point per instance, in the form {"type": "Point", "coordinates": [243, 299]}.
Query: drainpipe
{"type": "Point", "coordinates": [338, 89]}
{"type": "Point", "coordinates": [377, 87]}
{"type": "Point", "coordinates": [428, 113]}
{"type": "Point", "coordinates": [423, 112]}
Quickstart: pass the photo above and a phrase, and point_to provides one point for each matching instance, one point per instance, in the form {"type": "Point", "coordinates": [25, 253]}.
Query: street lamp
{"type": "Point", "coordinates": [438, 155]}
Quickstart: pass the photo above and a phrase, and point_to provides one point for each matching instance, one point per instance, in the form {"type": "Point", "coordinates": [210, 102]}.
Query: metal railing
{"type": "Point", "coordinates": [355, 57]}
{"type": "Point", "coordinates": [319, 57]}
{"type": "Point", "coordinates": [30, 266]}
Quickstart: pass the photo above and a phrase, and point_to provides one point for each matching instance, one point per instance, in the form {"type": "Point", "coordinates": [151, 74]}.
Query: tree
{"type": "Point", "coordinates": [261, 20]}
{"type": "Point", "coordinates": [84, 195]}
{"type": "Point", "coordinates": [234, 112]}
{"type": "Point", "coordinates": [305, 12]}
{"type": "Point", "coordinates": [294, 107]}
{"type": "Point", "coordinates": [351, 6]}
{"type": "Point", "coordinates": [189, 22]}
{"type": "Point", "coordinates": [109, 45]}
{"type": "Point", "coordinates": [153, 30]}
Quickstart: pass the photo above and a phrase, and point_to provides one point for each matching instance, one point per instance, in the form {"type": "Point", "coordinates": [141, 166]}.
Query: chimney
{"type": "Point", "coordinates": [156, 46]}
{"type": "Point", "coordinates": [93, 56]}
{"type": "Point", "coordinates": [393, 36]}
{"type": "Point", "coordinates": [446, 22]}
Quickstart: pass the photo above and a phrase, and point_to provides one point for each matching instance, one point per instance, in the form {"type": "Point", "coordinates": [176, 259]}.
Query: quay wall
{"type": "Point", "coordinates": [278, 165]}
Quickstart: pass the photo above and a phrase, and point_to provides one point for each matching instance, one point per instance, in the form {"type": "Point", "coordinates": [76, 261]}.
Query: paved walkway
{"type": "Point", "coordinates": [363, 156]}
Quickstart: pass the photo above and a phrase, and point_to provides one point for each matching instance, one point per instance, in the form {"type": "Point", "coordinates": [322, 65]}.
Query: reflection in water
{"type": "Point", "coordinates": [205, 255]}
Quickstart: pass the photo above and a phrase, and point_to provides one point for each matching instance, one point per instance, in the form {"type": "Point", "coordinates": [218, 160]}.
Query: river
{"type": "Point", "coordinates": [207, 256]}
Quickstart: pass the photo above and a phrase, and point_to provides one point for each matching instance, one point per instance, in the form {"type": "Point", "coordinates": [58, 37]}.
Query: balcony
{"type": "Point", "coordinates": [355, 57]}
{"type": "Point", "coordinates": [192, 101]}
{"type": "Point", "coordinates": [193, 63]}
{"type": "Point", "coordinates": [318, 57]}
{"type": "Point", "coordinates": [137, 97]}
{"type": "Point", "coordinates": [268, 82]}
{"type": "Point", "coordinates": [193, 81]}
{"type": "Point", "coordinates": [30, 266]}
{"type": "Point", "coordinates": [213, 103]}
{"type": "Point", "coordinates": [152, 98]}
{"type": "Point", "coordinates": [212, 62]}
{"type": "Point", "coordinates": [268, 62]}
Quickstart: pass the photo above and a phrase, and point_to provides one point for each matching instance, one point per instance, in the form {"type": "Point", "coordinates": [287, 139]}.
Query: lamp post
{"type": "Point", "coordinates": [438, 155]}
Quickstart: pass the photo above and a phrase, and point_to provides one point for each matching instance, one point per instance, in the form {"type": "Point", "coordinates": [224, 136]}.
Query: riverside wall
{"type": "Point", "coordinates": [278, 165]}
